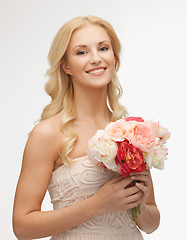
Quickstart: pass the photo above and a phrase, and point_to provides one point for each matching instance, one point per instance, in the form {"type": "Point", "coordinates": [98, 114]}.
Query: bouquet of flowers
{"type": "Point", "coordinates": [128, 146]}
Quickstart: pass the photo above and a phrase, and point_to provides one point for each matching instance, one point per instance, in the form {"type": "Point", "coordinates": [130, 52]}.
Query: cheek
{"type": "Point", "coordinates": [78, 65]}
{"type": "Point", "coordinates": [111, 61]}
{"type": "Point", "coordinates": [110, 58]}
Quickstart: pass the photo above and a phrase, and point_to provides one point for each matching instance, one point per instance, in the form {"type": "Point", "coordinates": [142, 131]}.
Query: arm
{"type": "Point", "coordinates": [28, 220]}
{"type": "Point", "coordinates": [149, 218]}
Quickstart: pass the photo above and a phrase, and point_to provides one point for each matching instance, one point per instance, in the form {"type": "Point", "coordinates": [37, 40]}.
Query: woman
{"type": "Point", "coordinates": [90, 202]}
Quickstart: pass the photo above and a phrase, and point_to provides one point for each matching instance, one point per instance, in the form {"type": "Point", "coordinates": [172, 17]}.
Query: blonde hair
{"type": "Point", "coordinates": [60, 87]}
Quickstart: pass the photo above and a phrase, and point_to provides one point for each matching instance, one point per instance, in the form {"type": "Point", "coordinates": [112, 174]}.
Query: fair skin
{"type": "Point", "coordinates": [91, 66]}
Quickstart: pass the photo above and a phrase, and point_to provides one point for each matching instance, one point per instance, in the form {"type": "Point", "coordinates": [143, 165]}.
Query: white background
{"type": "Point", "coordinates": [153, 34]}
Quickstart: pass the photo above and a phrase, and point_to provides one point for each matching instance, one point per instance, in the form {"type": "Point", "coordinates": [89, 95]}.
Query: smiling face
{"type": "Point", "coordinates": [90, 58]}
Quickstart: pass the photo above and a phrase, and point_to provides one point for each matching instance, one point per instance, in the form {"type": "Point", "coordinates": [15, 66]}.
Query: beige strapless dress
{"type": "Point", "coordinates": [69, 185]}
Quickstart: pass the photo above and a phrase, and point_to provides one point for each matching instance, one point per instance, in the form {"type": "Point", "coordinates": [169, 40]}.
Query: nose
{"type": "Point", "coordinates": [95, 58]}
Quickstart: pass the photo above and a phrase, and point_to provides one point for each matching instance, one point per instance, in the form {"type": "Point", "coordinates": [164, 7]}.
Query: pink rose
{"type": "Point", "coordinates": [117, 130]}
{"type": "Point", "coordinates": [142, 136]}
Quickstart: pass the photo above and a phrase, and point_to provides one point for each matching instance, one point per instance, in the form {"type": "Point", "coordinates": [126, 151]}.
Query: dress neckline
{"type": "Point", "coordinates": [74, 159]}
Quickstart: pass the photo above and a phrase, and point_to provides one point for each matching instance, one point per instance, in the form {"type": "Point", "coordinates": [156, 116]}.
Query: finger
{"type": "Point", "coordinates": [116, 178]}
{"type": "Point", "coordinates": [141, 178]}
{"type": "Point", "coordinates": [133, 204]}
{"type": "Point", "coordinates": [131, 190]}
{"type": "Point", "coordinates": [142, 187]}
{"type": "Point", "coordinates": [121, 181]}
{"type": "Point", "coordinates": [125, 182]}
{"type": "Point", "coordinates": [134, 198]}
{"type": "Point", "coordinates": [141, 183]}
{"type": "Point", "coordinates": [145, 172]}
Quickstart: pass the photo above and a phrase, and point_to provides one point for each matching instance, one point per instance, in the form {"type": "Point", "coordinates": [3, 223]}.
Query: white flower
{"type": "Point", "coordinates": [160, 132]}
{"type": "Point", "coordinates": [102, 149]}
{"type": "Point", "coordinates": [157, 156]}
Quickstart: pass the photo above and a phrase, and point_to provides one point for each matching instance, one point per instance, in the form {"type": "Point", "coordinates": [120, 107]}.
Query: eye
{"type": "Point", "coordinates": [103, 49]}
{"type": "Point", "coordinates": [81, 52]}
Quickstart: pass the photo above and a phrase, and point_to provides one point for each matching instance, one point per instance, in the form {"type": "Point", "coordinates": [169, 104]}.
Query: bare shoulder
{"type": "Point", "coordinates": [48, 128]}
{"type": "Point", "coordinates": [45, 139]}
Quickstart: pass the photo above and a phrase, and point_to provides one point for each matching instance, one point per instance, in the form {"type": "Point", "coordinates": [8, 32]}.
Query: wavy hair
{"type": "Point", "coordinates": [60, 87]}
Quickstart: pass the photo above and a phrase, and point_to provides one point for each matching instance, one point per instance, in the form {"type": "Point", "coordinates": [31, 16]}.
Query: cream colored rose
{"type": "Point", "coordinates": [102, 149]}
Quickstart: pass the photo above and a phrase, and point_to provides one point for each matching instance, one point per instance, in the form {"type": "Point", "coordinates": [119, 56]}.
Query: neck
{"type": "Point", "coordinates": [91, 105]}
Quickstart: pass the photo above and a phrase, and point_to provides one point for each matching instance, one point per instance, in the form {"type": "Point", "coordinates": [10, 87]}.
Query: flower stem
{"type": "Point", "coordinates": [135, 211]}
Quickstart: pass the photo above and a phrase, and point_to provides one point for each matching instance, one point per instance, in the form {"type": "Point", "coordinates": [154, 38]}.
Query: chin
{"type": "Point", "coordinates": [100, 85]}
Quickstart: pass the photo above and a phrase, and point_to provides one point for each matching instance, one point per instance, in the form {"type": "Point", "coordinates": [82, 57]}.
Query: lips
{"type": "Point", "coordinates": [96, 71]}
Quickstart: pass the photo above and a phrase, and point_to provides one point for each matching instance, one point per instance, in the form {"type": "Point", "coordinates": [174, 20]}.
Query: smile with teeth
{"type": "Point", "coordinates": [96, 71]}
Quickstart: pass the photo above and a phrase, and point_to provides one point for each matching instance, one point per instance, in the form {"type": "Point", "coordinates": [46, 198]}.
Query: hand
{"type": "Point", "coordinates": [143, 184]}
{"type": "Point", "coordinates": [114, 196]}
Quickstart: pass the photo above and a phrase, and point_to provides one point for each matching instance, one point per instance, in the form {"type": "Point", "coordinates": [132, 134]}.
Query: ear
{"type": "Point", "coordinates": [66, 68]}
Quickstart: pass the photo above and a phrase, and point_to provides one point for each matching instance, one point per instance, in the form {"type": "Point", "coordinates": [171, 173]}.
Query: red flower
{"type": "Point", "coordinates": [137, 119]}
{"type": "Point", "coordinates": [129, 158]}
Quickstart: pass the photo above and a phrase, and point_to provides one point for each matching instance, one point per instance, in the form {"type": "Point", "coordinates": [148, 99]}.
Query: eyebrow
{"type": "Point", "coordinates": [84, 46]}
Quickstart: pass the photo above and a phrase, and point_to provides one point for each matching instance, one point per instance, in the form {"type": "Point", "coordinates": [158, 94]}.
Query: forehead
{"type": "Point", "coordinates": [87, 35]}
